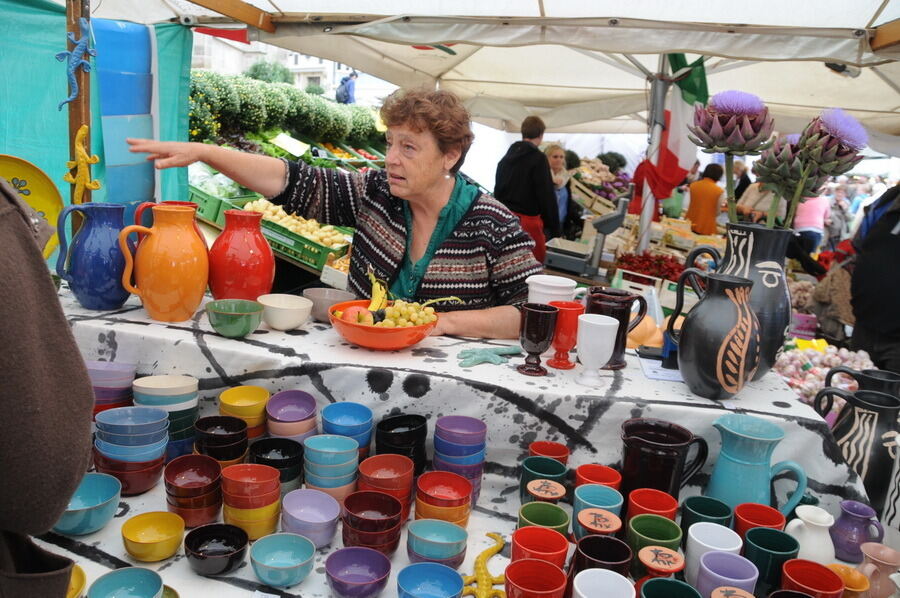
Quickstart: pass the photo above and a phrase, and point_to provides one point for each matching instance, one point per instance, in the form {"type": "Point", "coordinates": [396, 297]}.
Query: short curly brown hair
{"type": "Point", "coordinates": [439, 112]}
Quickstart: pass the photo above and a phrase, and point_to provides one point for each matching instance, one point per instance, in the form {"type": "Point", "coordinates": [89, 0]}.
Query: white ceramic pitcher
{"type": "Point", "coordinates": [544, 288]}
{"type": "Point", "coordinates": [810, 528]}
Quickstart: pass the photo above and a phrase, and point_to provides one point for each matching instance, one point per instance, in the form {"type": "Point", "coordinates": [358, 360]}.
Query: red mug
{"type": "Point", "coordinates": [812, 578]}
{"type": "Point", "coordinates": [750, 514]}
{"type": "Point", "coordinates": [532, 578]}
{"type": "Point", "coordinates": [541, 543]}
{"type": "Point", "coordinates": [655, 502]}
{"type": "Point", "coordinates": [545, 448]}
{"type": "Point", "coordinates": [593, 473]}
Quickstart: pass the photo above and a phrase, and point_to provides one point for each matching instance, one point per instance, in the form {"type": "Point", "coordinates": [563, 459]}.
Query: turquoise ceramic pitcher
{"type": "Point", "coordinates": [742, 473]}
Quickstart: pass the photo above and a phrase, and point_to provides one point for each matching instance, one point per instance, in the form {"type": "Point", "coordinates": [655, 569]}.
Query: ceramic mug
{"type": "Point", "coordinates": [663, 587]}
{"type": "Point", "coordinates": [587, 583]}
{"type": "Point", "coordinates": [650, 530]}
{"type": "Point", "coordinates": [719, 569]}
{"type": "Point", "coordinates": [816, 580]}
{"type": "Point", "coordinates": [544, 288]}
{"type": "Point", "coordinates": [749, 515]}
{"type": "Point", "coordinates": [706, 537]}
{"type": "Point", "coordinates": [769, 549]}
{"type": "Point", "coordinates": [695, 509]}
{"type": "Point", "coordinates": [880, 563]}
{"type": "Point", "coordinates": [650, 500]}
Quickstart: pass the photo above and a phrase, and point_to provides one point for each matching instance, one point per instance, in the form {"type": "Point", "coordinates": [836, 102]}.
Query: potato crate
{"type": "Point", "coordinates": [208, 206]}
{"type": "Point", "coordinates": [234, 203]}
{"type": "Point", "coordinates": [299, 247]}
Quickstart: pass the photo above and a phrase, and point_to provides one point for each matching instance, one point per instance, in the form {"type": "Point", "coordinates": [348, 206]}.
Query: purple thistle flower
{"type": "Point", "coordinates": [736, 102]}
{"type": "Point", "coordinates": [793, 138]}
{"type": "Point", "coordinates": [846, 128]}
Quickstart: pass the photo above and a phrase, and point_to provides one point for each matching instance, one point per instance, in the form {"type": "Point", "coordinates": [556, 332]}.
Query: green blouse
{"type": "Point", "coordinates": [410, 275]}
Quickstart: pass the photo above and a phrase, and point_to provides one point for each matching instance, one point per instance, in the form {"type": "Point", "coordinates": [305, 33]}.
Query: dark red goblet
{"type": "Point", "coordinates": [538, 323]}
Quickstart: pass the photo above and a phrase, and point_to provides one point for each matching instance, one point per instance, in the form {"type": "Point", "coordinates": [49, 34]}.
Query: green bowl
{"type": "Point", "coordinates": [178, 420]}
{"type": "Point", "coordinates": [234, 318]}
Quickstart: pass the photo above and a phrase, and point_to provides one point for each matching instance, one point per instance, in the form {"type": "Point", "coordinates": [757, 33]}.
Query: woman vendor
{"type": "Point", "coordinates": [419, 225]}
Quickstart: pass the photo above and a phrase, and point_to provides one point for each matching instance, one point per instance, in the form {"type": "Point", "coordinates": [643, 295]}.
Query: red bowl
{"type": "Point", "coordinates": [443, 489]}
{"type": "Point", "coordinates": [136, 482]}
{"type": "Point", "coordinates": [250, 479]}
{"type": "Point", "coordinates": [386, 549]}
{"type": "Point", "coordinates": [387, 471]}
{"type": "Point", "coordinates": [372, 337]}
{"type": "Point", "coordinates": [192, 475]}
{"type": "Point", "coordinates": [115, 465]}
{"type": "Point", "coordinates": [359, 537]}
{"type": "Point", "coordinates": [196, 502]}
{"type": "Point", "coordinates": [372, 511]}
{"type": "Point", "coordinates": [99, 407]}
{"type": "Point", "coordinates": [197, 517]}
{"type": "Point", "coordinates": [251, 502]}
{"type": "Point", "coordinates": [404, 495]}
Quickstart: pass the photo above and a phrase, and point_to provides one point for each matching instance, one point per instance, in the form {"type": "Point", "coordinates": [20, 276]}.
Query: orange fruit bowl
{"type": "Point", "coordinates": [374, 337]}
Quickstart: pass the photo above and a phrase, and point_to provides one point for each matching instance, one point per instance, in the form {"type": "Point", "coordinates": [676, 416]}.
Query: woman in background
{"type": "Point", "coordinates": [704, 200]}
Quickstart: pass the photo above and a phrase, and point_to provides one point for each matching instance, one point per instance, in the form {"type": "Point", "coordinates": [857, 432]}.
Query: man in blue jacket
{"type": "Point", "coordinates": [346, 91]}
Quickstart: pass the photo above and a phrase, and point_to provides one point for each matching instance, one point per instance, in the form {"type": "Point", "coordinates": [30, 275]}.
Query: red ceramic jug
{"type": "Point", "coordinates": [241, 262]}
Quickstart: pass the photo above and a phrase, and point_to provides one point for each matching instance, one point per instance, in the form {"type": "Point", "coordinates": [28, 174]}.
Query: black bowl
{"type": "Point", "coordinates": [216, 549]}
{"type": "Point", "coordinates": [291, 473]}
{"type": "Point", "coordinates": [219, 430]}
{"type": "Point", "coordinates": [402, 430]}
{"type": "Point", "coordinates": [416, 453]}
{"type": "Point", "coordinates": [227, 452]}
{"type": "Point", "coordinates": [280, 453]}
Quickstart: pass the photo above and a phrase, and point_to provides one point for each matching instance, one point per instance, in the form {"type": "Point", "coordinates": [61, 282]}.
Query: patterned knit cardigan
{"type": "Point", "coordinates": [484, 261]}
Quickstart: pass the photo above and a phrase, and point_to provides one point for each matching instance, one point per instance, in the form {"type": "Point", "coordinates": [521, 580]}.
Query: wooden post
{"type": "Point", "coordinates": [80, 107]}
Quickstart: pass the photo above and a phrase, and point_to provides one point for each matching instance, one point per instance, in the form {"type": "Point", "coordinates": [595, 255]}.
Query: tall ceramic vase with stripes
{"type": "Point", "coordinates": [866, 432]}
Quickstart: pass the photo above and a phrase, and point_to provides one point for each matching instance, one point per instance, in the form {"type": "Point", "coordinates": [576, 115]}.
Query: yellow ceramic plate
{"type": "Point", "coordinates": [76, 583]}
{"type": "Point", "coordinates": [36, 189]}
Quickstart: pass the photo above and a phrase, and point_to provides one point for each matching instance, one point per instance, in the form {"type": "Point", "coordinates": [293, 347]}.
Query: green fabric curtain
{"type": "Point", "coordinates": [174, 44]}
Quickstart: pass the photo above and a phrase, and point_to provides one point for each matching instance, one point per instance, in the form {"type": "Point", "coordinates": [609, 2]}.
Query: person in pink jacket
{"type": "Point", "coordinates": [812, 216]}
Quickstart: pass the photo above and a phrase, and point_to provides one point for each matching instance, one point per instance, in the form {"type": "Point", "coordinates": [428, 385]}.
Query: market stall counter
{"type": "Point", "coordinates": [428, 380]}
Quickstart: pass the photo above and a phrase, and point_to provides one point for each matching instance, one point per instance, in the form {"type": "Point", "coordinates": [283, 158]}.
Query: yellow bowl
{"type": "Point", "coordinates": [76, 583]}
{"type": "Point", "coordinates": [255, 529]}
{"type": "Point", "coordinates": [258, 514]}
{"type": "Point", "coordinates": [446, 513]}
{"type": "Point", "coordinates": [252, 421]}
{"type": "Point", "coordinates": [153, 536]}
{"type": "Point", "coordinates": [244, 401]}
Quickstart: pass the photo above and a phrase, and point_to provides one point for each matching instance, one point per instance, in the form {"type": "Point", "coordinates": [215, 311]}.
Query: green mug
{"type": "Point", "coordinates": [695, 509]}
{"type": "Point", "coordinates": [650, 530]}
{"type": "Point", "coordinates": [540, 468]}
{"type": "Point", "coordinates": [544, 514]}
{"type": "Point", "coordinates": [768, 549]}
{"type": "Point", "coordinates": [666, 587]}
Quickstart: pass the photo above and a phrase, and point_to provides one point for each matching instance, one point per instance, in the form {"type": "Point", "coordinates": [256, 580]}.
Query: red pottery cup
{"type": "Point", "coordinates": [565, 336]}
{"type": "Point", "coordinates": [532, 578]}
{"type": "Point", "coordinates": [541, 543]}
{"type": "Point", "coordinates": [655, 502]}
{"type": "Point", "coordinates": [545, 448]}
{"type": "Point", "coordinates": [592, 473]}
{"type": "Point", "coordinates": [750, 514]}
{"type": "Point", "coordinates": [812, 578]}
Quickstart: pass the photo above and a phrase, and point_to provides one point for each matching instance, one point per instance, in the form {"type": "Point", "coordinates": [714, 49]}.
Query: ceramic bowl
{"type": "Point", "coordinates": [139, 454]}
{"type": "Point", "coordinates": [244, 401]}
{"type": "Point", "coordinates": [363, 440]}
{"type": "Point", "coordinates": [328, 482]}
{"type": "Point", "coordinates": [455, 449]}
{"type": "Point", "coordinates": [229, 462]}
{"type": "Point", "coordinates": [401, 494]}
{"type": "Point", "coordinates": [209, 499]}
{"type": "Point", "coordinates": [255, 529]}
{"type": "Point", "coordinates": [153, 536]}
{"type": "Point", "coordinates": [339, 493]}
{"type": "Point", "coordinates": [285, 312]}
{"type": "Point", "coordinates": [427, 511]}
{"type": "Point", "coordinates": [311, 508]}
{"type": "Point", "coordinates": [77, 583]}
{"type": "Point", "coordinates": [322, 300]}
{"type": "Point", "coordinates": [132, 420]}
{"type": "Point", "coordinates": [357, 572]}
{"type": "Point", "coordinates": [92, 506]}
{"type": "Point", "coordinates": [166, 386]}
{"type": "Point", "coordinates": [388, 471]}
{"type": "Point", "coordinates": [453, 562]}
{"type": "Point", "coordinates": [262, 513]}
{"type": "Point", "coordinates": [216, 549]}
{"type": "Point", "coordinates": [320, 536]}
{"type": "Point", "coordinates": [373, 337]}
{"type": "Point", "coordinates": [102, 461]}
{"type": "Point", "coordinates": [250, 479]}
{"type": "Point", "coordinates": [180, 419]}
{"type": "Point", "coordinates": [460, 429]}
{"type": "Point", "coordinates": [101, 370]}
{"type": "Point", "coordinates": [443, 489]}
{"type": "Point", "coordinates": [436, 539]}
{"type": "Point", "coordinates": [429, 579]}
{"type": "Point", "coordinates": [256, 425]}
{"type": "Point", "coordinates": [291, 406]}
{"type": "Point", "coordinates": [291, 473]}
{"type": "Point", "coordinates": [333, 471]}
{"type": "Point", "coordinates": [356, 537]}
{"type": "Point", "coordinates": [134, 582]}
{"type": "Point", "coordinates": [282, 560]}
{"type": "Point", "coordinates": [346, 418]}
{"type": "Point", "coordinates": [220, 429]}
{"type": "Point", "coordinates": [165, 400]}
{"type": "Point", "coordinates": [370, 511]}
{"type": "Point", "coordinates": [467, 471]}
{"type": "Point", "coordinates": [252, 502]}
{"type": "Point", "coordinates": [196, 517]}
{"type": "Point", "coordinates": [186, 432]}
{"type": "Point", "coordinates": [329, 449]}
{"type": "Point", "coordinates": [234, 318]}
{"type": "Point", "coordinates": [402, 430]}
{"type": "Point", "coordinates": [280, 453]}
{"type": "Point", "coordinates": [222, 453]}
{"type": "Point", "coordinates": [304, 428]}
{"type": "Point", "coordinates": [192, 475]}
{"type": "Point", "coordinates": [474, 459]}
{"type": "Point", "coordinates": [136, 482]}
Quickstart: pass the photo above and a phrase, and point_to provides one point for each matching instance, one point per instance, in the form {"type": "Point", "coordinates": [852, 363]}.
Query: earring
{"type": "Point", "coordinates": [446, 175]}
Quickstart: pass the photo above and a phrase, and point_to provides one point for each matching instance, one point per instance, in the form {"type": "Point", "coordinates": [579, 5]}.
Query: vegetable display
{"type": "Point", "coordinates": [660, 266]}
{"type": "Point", "coordinates": [324, 235]}
{"type": "Point", "coordinates": [804, 370]}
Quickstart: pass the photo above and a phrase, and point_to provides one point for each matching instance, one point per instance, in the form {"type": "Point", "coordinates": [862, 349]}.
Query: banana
{"type": "Point", "coordinates": [379, 293]}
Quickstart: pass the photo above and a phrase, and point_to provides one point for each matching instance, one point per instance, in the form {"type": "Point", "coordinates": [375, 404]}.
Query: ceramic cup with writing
{"type": "Point", "coordinates": [540, 468]}
{"type": "Point", "coordinates": [595, 522]}
{"type": "Point", "coordinates": [650, 530]}
{"type": "Point", "coordinates": [706, 537]}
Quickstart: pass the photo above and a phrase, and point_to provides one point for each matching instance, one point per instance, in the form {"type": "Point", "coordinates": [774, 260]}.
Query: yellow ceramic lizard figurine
{"type": "Point", "coordinates": [81, 164]}
{"type": "Point", "coordinates": [483, 580]}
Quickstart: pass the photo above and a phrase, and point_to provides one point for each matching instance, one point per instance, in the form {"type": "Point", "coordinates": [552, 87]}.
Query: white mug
{"type": "Point", "coordinates": [704, 537]}
{"type": "Point", "coordinates": [596, 339]}
{"type": "Point", "coordinates": [544, 288]}
{"type": "Point", "coordinates": [592, 583]}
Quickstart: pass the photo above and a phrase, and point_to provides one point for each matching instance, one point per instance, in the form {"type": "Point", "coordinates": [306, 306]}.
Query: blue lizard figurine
{"type": "Point", "coordinates": [76, 59]}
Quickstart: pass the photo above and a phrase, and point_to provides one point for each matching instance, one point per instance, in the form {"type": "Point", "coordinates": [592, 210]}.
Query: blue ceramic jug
{"type": "Point", "coordinates": [94, 264]}
{"type": "Point", "coordinates": [742, 473]}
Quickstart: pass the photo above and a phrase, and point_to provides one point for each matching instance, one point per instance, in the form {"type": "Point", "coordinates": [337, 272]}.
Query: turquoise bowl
{"type": "Point", "coordinates": [430, 580]}
{"type": "Point", "coordinates": [141, 440]}
{"type": "Point", "coordinates": [330, 482]}
{"type": "Point", "coordinates": [234, 318]}
{"type": "Point", "coordinates": [133, 582]}
{"type": "Point", "coordinates": [118, 452]}
{"type": "Point", "coordinates": [282, 560]}
{"type": "Point", "coordinates": [435, 538]}
{"type": "Point", "coordinates": [329, 449]}
{"type": "Point", "coordinates": [156, 400]}
{"type": "Point", "coordinates": [333, 471]}
{"type": "Point", "coordinates": [346, 418]}
{"type": "Point", "coordinates": [92, 506]}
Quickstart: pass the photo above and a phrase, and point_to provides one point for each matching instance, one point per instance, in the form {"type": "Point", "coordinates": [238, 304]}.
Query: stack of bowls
{"type": "Point", "coordinates": [252, 495]}
{"type": "Point", "coordinates": [444, 495]}
{"type": "Point", "coordinates": [353, 420]}
{"type": "Point", "coordinates": [460, 445]}
{"type": "Point", "coordinates": [216, 549]}
{"type": "Point", "coordinates": [283, 454]}
{"type": "Point", "coordinates": [194, 489]}
{"type": "Point", "coordinates": [372, 519]}
{"type": "Point", "coordinates": [312, 514]}
{"type": "Point", "coordinates": [92, 506]}
{"type": "Point", "coordinates": [153, 536]}
{"type": "Point", "coordinates": [390, 474]}
{"type": "Point", "coordinates": [247, 403]}
{"type": "Point", "coordinates": [357, 572]}
{"type": "Point", "coordinates": [403, 435]}
{"type": "Point", "coordinates": [112, 384]}
{"type": "Point", "coordinates": [436, 541]}
{"type": "Point", "coordinates": [130, 445]}
{"type": "Point", "coordinates": [222, 437]}
{"type": "Point", "coordinates": [330, 464]}
{"type": "Point", "coordinates": [292, 414]}
{"type": "Point", "coordinates": [282, 560]}
{"type": "Point", "coordinates": [178, 396]}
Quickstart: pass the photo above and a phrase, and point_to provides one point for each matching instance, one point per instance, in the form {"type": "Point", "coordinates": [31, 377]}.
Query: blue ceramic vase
{"type": "Point", "coordinates": [93, 263]}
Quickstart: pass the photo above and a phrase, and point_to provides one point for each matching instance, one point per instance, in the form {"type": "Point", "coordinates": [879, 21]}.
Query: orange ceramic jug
{"type": "Point", "coordinates": [171, 264]}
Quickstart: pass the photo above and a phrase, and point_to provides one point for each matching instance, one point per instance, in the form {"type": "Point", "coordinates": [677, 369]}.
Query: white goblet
{"type": "Point", "coordinates": [596, 340]}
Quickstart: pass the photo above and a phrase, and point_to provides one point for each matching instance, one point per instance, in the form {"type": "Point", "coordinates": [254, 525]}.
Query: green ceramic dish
{"type": "Point", "coordinates": [234, 318]}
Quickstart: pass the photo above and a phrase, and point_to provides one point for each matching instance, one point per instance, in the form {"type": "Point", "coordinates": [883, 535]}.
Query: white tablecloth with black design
{"type": "Point", "coordinates": [427, 379]}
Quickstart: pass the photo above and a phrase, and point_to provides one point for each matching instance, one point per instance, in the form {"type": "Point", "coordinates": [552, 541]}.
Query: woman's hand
{"type": "Point", "coordinates": [169, 154]}
{"type": "Point", "coordinates": [494, 322]}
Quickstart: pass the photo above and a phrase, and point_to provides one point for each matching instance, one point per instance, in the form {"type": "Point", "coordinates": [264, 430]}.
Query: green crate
{"type": "Point", "coordinates": [234, 203]}
{"type": "Point", "coordinates": [300, 248]}
{"type": "Point", "coordinates": [207, 205]}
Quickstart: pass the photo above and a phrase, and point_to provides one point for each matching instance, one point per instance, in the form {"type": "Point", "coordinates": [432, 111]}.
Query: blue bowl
{"type": "Point", "coordinates": [328, 482]}
{"type": "Point", "coordinates": [466, 460]}
{"type": "Point", "coordinates": [132, 420]}
{"type": "Point", "coordinates": [596, 496]}
{"type": "Point", "coordinates": [145, 399]}
{"type": "Point", "coordinates": [133, 582]}
{"type": "Point", "coordinates": [346, 418]}
{"type": "Point", "coordinates": [177, 448]}
{"type": "Point", "coordinates": [364, 439]}
{"type": "Point", "coordinates": [133, 439]}
{"type": "Point", "coordinates": [150, 453]}
{"type": "Point", "coordinates": [429, 580]}
{"type": "Point", "coordinates": [333, 471]}
{"type": "Point", "coordinates": [329, 449]}
{"type": "Point", "coordinates": [92, 506]}
{"type": "Point", "coordinates": [436, 539]}
{"type": "Point", "coordinates": [445, 447]}
{"type": "Point", "coordinates": [282, 560]}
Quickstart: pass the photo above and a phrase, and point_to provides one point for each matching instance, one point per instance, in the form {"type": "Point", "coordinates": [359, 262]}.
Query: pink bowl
{"type": "Point", "coordinates": [280, 428]}
{"type": "Point", "coordinates": [339, 493]}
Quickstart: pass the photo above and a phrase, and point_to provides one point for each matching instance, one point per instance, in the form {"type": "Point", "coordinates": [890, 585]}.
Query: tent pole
{"type": "Point", "coordinates": [658, 88]}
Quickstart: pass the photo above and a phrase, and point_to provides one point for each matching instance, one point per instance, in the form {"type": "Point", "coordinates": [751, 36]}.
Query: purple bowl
{"type": "Point", "coordinates": [318, 534]}
{"type": "Point", "coordinates": [108, 370]}
{"type": "Point", "coordinates": [467, 471]}
{"type": "Point", "coordinates": [291, 406]}
{"type": "Point", "coordinates": [102, 392]}
{"type": "Point", "coordinates": [357, 572]}
{"type": "Point", "coordinates": [461, 429]}
{"type": "Point", "coordinates": [453, 562]}
{"type": "Point", "coordinates": [311, 508]}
